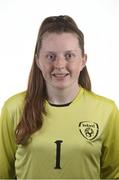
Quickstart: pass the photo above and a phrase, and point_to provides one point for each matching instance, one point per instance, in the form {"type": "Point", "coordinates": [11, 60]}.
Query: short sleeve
{"type": "Point", "coordinates": [7, 145]}
{"type": "Point", "coordinates": [110, 147]}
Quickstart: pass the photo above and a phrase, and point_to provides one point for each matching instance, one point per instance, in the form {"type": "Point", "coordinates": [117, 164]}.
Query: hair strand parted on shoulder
{"type": "Point", "coordinates": [34, 106]}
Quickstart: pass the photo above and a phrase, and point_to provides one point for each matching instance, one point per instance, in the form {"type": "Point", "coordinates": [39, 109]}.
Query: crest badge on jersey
{"type": "Point", "coordinates": [89, 130]}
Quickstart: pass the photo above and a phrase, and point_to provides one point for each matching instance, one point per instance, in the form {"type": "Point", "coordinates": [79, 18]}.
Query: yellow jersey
{"type": "Point", "coordinates": [77, 141]}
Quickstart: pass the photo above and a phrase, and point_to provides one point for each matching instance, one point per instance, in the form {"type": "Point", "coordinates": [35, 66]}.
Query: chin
{"type": "Point", "coordinates": [62, 86]}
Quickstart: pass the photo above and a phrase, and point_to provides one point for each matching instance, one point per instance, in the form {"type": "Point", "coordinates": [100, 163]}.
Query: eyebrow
{"type": "Point", "coordinates": [63, 52]}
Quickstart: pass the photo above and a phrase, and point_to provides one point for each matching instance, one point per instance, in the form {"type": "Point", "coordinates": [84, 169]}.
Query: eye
{"type": "Point", "coordinates": [51, 57]}
{"type": "Point", "coordinates": [69, 56]}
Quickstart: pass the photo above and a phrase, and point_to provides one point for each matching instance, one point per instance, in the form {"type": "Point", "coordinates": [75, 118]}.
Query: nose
{"type": "Point", "coordinates": [59, 63]}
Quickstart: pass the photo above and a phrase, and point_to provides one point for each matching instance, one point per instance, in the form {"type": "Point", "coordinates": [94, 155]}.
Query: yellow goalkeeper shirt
{"type": "Point", "coordinates": [78, 141]}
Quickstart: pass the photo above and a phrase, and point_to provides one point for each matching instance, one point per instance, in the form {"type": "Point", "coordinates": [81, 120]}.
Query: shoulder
{"type": "Point", "coordinates": [99, 100]}
{"type": "Point", "coordinates": [12, 110]}
{"type": "Point", "coordinates": [15, 102]}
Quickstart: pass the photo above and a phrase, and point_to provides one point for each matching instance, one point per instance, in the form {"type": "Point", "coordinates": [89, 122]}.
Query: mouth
{"type": "Point", "coordinates": [60, 75]}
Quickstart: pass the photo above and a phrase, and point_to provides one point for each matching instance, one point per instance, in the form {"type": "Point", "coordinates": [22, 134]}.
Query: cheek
{"type": "Point", "coordinates": [45, 69]}
{"type": "Point", "coordinates": [76, 67]}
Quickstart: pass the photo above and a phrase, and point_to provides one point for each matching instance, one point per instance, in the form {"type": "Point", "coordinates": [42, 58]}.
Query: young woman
{"type": "Point", "coordinates": [58, 128]}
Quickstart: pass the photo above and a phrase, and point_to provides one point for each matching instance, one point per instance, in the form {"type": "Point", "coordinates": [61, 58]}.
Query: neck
{"type": "Point", "coordinates": [62, 96]}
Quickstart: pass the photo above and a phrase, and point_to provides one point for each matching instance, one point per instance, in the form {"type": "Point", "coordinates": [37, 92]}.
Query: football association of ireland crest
{"type": "Point", "coordinates": [89, 130]}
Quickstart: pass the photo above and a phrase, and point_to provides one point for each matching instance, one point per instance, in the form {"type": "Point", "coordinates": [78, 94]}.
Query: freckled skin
{"type": "Point", "coordinates": [61, 61]}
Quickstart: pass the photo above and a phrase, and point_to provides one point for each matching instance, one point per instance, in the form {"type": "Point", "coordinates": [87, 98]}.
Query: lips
{"type": "Point", "coordinates": [60, 74]}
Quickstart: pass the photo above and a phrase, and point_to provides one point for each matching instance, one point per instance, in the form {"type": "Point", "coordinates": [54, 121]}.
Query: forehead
{"type": "Point", "coordinates": [60, 41]}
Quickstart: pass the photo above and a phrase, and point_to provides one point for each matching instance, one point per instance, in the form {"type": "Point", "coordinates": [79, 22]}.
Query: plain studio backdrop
{"type": "Point", "coordinates": [19, 24]}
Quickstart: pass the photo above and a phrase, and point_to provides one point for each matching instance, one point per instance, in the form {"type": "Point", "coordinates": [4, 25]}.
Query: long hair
{"type": "Point", "coordinates": [34, 105]}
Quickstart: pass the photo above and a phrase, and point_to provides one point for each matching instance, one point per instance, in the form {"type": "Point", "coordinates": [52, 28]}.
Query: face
{"type": "Point", "coordinates": [60, 60]}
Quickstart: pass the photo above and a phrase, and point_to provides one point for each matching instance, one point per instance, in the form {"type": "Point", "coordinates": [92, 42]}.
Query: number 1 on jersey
{"type": "Point", "coordinates": [58, 150]}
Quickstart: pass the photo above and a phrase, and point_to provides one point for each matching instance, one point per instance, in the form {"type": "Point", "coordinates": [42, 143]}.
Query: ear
{"type": "Point", "coordinates": [37, 61]}
{"type": "Point", "coordinates": [84, 60]}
